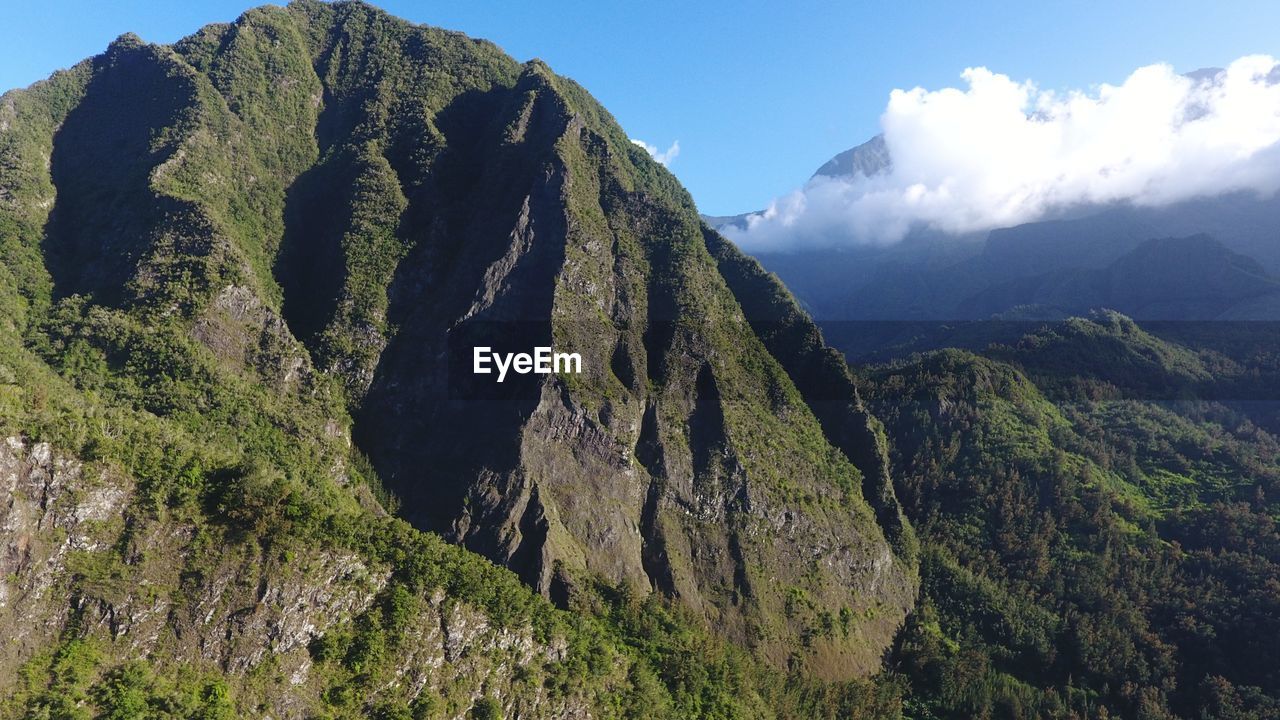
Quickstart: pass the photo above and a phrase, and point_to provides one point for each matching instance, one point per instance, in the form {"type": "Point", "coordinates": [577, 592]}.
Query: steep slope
{"type": "Point", "coordinates": [530, 222]}
{"type": "Point", "coordinates": [185, 533]}
{"type": "Point", "coordinates": [267, 252]}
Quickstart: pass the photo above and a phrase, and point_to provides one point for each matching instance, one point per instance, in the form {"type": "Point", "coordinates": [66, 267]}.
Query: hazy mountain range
{"type": "Point", "coordinates": [1045, 269]}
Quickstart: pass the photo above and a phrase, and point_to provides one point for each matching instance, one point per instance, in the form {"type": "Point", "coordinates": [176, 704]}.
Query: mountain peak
{"type": "Point", "coordinates": [126, 41]}
{"type": "Point", "coordinates": [868, 159]}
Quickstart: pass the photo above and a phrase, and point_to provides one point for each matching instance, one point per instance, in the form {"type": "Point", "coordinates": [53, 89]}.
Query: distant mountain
{"type": "Point", "coordinates": [932, 276]}
{"type": "Point", "coordinates": [1167, 280]}
{"type": "Point", "coordinates": [1192, 278]}
{"type": "Point", "coordinates": [1037, 269]}
{"type": "Point", "coordinates": [868, 159]}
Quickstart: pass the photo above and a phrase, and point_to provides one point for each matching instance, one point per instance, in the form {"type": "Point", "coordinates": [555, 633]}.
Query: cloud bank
{"type": "Point", "coordinates": [663, 157]}
{"type": "Point", "coordinates": [1001, 152]}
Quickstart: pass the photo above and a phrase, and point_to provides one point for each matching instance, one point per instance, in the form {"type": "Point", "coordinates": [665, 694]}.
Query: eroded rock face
{"type": "Point", "coordinates": [57, 529]}
{"type": "Point", "coordinates": [453, 645]}
{"type": "Point", "coordinates": [243, 332]}
{"type": "Point", "coordinates": [51, 509]}
{"type": "Point", "coordinates": [681, 460]}
{"type": "Point", "coordinates": [231, 611]}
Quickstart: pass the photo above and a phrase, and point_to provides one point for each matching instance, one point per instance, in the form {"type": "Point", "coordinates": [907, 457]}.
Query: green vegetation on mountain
{"type": "Point", "coordinates": [1098, 542]}
{"type": "Point", "coordinates": [236, 273]}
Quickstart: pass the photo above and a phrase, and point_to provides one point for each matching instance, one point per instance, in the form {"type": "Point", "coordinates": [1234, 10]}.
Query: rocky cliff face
{"type": "Point", "coordinates": [682, 459]}
{"type": "Point", "coordinates": [172, 597]}
{"type": "Point", "coordinates": [267, 251]}
{"type": "Point", "coordinates": [53, 512]}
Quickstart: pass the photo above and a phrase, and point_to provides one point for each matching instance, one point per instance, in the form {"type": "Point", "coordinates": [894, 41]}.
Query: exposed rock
{"type": "Point", "coordinates": [243, 332]}
{"type": "Point", "coordinates": [52, 510]}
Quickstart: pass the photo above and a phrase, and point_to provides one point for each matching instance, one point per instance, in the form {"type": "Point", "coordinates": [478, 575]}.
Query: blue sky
{"type": "Point", "coordinates": [757, 93]}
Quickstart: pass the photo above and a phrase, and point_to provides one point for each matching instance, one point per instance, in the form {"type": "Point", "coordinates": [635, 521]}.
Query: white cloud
{"type": "Point", "coordinates": [1001, 152]}
{"type": "Point", "coordinates": [664, 157]}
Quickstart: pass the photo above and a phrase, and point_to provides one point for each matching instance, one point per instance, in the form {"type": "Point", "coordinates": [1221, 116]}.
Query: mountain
{"type": "Point", "coordinates": [1208, 259]}
{"type": "Point", "coordinates": [1191, 278]}
{"type": "Point", "coordinates": [1165, 281]}
{"type": "Point", "coordinates": [1034, 270]}
{"type": "Point", "coordinates": [933, 276]}
{"type": "Point", "coordinates": [243, 279]}
{"type": "Point", "coordinates": [868, 159]}
{"type": "Point", "coordinates": [251, 470]}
